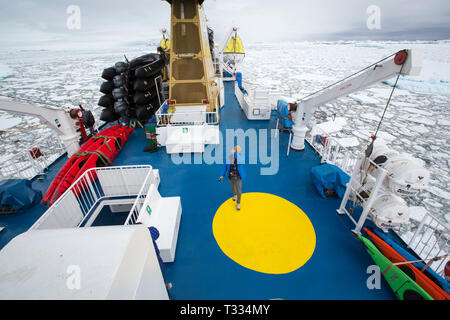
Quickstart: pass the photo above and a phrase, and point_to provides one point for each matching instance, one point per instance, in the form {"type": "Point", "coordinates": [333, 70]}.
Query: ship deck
{"type": "Point", "coordinates": [201, 271]}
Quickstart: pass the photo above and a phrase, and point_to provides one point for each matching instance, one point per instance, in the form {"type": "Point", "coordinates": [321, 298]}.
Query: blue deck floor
{"type": "Point", "coordinates": [337, 269]}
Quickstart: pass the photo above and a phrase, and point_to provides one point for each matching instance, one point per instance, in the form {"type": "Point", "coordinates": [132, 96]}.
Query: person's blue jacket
{"type": "Point", "coordinates": [240, 167]}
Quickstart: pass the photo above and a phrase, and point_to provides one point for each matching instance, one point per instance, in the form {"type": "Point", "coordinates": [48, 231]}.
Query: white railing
{"type": "Point", "coordinates": [180, 118]}
{"type": "Point", "coordinates": [140, 199]}
{"type": "Point", "coordinates": [82, 201]}
{"type": "Point", "coordinates": [22, 165]}
{"type": "Point", "coordinates": [330, 150]}
{"type": "Point", "coordinates": [355, 188]}
{"type": "Point", "coordinates": [431, 239]}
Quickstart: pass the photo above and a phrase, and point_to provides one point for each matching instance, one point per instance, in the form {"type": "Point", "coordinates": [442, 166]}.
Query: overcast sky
{"type": "Point", "coordinates": [44, 22]}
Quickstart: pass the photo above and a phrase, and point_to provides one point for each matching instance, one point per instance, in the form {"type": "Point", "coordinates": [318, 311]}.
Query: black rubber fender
{"type": "Point", "coordinates": [144, 84]}
{"type": "Point", "coordinates": [144, 112]}
{"type": "Point", "coordinates": [109, 73]}
{"type": "Point", "coordinates": [119, 93]}
{"type": "Point", "coordinates": [121, 106]}
{"type": "Point", "coordinates": [143, 97]}
{"type": "Point", "coordinates": [144, 60]}
{"type": "Point", "coordinates": [107, 87]}
{"type": "Point", "coordinates": [149, 69]}
{"type": "Point", "coordinates": [108, 115]}
{"type": "Point", "coordinates": [121, 67]}
{"type": "Point", "coordinates": [106, 101]}
{"type": "Point", "coordinates": [119, 81]}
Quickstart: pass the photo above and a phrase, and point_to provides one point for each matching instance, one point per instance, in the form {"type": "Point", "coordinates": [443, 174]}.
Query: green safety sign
{"type": "Point", "coordinates": [149, 210]}
{"type": "Point", "coordinates": [185, 130]}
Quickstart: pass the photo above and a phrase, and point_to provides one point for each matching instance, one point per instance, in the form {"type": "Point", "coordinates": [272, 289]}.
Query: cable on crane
{"type": "Point", "coordinates": [400, 59]}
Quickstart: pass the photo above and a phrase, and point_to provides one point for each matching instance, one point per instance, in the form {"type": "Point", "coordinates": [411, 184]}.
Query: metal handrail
{"type": "Point", "coordinates": [422, 243]}
{"type": "Point", "coordinates": [87, 192]}
{"type": "Point", "coordinates": [441, 233]}
{"type": "Point", "coordinates": [331, 151]}
{"type": "Point", "coordinates": [136, 208]}
{"type": "Point", "coordinates": [166, 118]}
{"type": "Point", "coordinates": [23, 166]}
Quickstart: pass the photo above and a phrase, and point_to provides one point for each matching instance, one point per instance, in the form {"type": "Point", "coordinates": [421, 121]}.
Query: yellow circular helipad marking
{"type": "Point", "coordinates": [269, 234]}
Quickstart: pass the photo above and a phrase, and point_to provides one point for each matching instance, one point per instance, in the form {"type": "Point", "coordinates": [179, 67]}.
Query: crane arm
{"type": "Point", "coordinates": [59, 120]}
{"type": "Point", "coordinates": [405, 62]}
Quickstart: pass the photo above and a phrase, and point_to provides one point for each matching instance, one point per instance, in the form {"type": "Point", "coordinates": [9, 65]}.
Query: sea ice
{"type": "Point", "coordinates": [416, 119]}
{"type": "Point", "coordinates": [7, 123]}
{"type": "Point", "coordinates": [369, 116]}
{"type": "Point", "coordinates": [433, 203]}
{"type": "Point", "coordinates": [417, 213]}
{"type": "Point", "coordinates": [443, 122]}
{"type": "Point", "coordinates": [385, 92]}
{"type": "Point", "coordinates": [434, 79]}
{"type": "Point", "coordinates": [333, 126]}
{"type": "Point", "coordinates": [385, 136]}
{"type": "Point", "coordinates": [5, 71]}
{"type": "Point", "coordinates": [419, 129]}
{"type": "Point", "coordinates": [364, 99]}
{"type": "Point", "coordinates": [348, 142]}
{"type": "Point", "coordinates": [438, 192]}
{"type": "Point", "coordinates": [418, 111]}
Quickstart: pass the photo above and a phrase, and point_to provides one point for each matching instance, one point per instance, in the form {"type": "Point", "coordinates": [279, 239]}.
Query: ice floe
{"type": "Point", "coordinates": [5, 71]}
{"type": "Point", "coordinates": [364, 99]}
{"type": "Point", "coordinates": [7, 123]}
{"type": "Point", "coordinates": [418, 119]}
{"type": "Point", "coordinates": [434, 79]}
{"type": "Point", "coordinates": [348, 142]}
{"type": "Point", "coordinates": [333, 126]}
{"type": "Point", "coordinates": [438, 192]}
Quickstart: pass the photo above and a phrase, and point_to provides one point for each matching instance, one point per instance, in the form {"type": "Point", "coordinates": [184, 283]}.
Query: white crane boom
{"type": "Point", "coordinates": [405, 62]}
{"type": "Point", "coordinates": [58, 119]}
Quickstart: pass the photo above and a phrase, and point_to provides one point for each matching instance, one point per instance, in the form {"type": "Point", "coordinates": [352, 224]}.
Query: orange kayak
{"type": "Point", "coordinates": [418, 276]}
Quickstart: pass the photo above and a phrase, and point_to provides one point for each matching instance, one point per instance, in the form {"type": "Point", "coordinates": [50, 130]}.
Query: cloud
{"type": "Point", "coordinates": [38, 22]}
{"type": "Point", "coordinates": [280, 20]}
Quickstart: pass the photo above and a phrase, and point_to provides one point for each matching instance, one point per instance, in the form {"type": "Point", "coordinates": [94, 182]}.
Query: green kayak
{"type": "Point", "coordinates": [402, 285]}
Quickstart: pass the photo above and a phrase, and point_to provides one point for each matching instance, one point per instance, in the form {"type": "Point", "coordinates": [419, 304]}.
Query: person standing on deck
{"type": "Point", "coordinates": [236, 173]}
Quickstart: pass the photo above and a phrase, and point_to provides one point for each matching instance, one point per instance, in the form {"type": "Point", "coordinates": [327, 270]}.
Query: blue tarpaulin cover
{"type": "Point", "coordinates": [239, 79]}
{"type": "Point", "coordinates": [18, 194]}
{"type": "Point", "coordinates": [329, 177]}
{"type": "Point", "coordinates": [283, 114]}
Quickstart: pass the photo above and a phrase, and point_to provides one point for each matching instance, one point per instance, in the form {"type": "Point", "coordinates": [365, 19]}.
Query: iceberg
{"type": "Point", "coordinates": [435, 79]}
{"type": "Point", "coordinates": [5, 71]}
